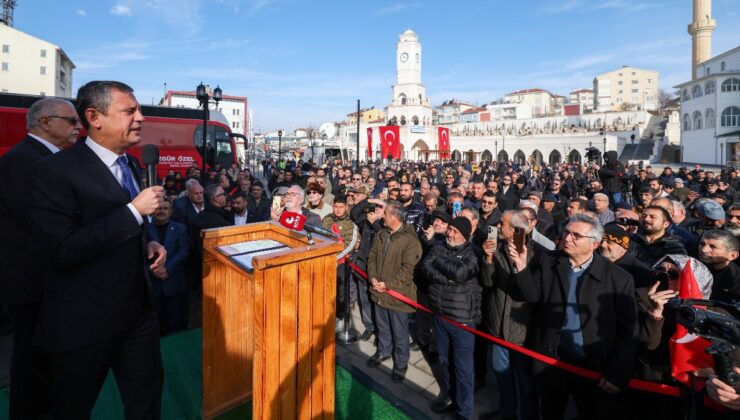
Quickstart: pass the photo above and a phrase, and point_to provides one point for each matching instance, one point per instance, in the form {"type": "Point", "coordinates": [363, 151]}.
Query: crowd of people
{"type": "Point", "coordinates": [575, 261]}
{"type": "Point", "coordinates": [602, 248]}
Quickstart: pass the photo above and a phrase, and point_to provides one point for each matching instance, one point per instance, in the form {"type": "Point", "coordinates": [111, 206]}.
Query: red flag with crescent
{"type": "Point", "coordinates": [687, 350]}
{"type": "Point", "coordinates": [390, 141]}
{"type": "Point", "coordinates": [443, 138]}
{"type": "Point", "coordinates": [369, 142]}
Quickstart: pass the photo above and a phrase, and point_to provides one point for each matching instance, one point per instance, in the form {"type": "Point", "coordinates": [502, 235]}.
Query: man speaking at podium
{"type": "Point", "coordinates": [90, 212]}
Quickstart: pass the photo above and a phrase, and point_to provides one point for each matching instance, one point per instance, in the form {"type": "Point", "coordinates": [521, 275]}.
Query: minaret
{"type": "Point", "coordinates": [701, 33]}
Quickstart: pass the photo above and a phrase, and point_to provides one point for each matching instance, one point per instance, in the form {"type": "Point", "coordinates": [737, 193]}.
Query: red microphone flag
{"type": "Point", "coordinates": [443, 137]}
{"type": "Point", "coordinates": [369, 142]}
{"type": "Point", "coordinates": [292, 221]}
{"type": "Point", "coordinates": [390, 141]}
{"type": "Point", "coordinates": [687, 350]}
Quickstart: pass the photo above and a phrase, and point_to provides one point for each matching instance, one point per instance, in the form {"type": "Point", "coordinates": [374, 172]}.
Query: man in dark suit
{"type": "Point", "coordinates": [52, 124]}
{"type": "Point", "coordinates": [169, 284]}
{"type": "Point", "coordinates": [508, 196]}
{"type": "Point", "coordinates": [96, 312]}
{"type": "Point", "coordinates": [587, 316]}
{"type": "Point", "coordinates": [185, 208]}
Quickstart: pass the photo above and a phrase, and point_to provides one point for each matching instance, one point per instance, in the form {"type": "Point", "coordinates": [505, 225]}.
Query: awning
{"type": "Point", "coordinates": [731, 134]}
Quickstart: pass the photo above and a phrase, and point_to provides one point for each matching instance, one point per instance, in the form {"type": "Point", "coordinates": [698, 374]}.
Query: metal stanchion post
{"type": "Point", "coordinates": [347, 335]}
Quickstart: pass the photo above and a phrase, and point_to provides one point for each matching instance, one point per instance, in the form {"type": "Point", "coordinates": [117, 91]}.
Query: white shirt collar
{"type": "Point", "coordinates": [48, 145]}
{"type": "Point", "coordinates": [107, 156]}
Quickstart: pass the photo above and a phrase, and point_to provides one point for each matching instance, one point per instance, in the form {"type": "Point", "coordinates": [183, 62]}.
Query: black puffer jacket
{"type": "Point", "coordinates": [650, 253]}
{"type": "Point", "coordinates": [453, 284]}
{"type": "Point", "coordinates": [612, 172]}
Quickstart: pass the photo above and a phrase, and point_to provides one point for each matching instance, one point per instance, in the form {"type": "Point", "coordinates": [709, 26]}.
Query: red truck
{"type": "Point", "coordinates": [178, 132]}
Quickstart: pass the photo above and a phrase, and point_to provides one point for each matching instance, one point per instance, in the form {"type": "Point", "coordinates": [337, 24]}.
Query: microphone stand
{"type": "Point", "coordinates": [347, 335]}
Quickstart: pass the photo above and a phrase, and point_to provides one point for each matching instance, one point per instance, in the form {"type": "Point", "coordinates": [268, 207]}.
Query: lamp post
{"type": "Point", "coordinates": [202, 94]}
{"type": "Point", "coordinates": [496, 143]}
{"type": "Point", "coordinates": [280, 146]}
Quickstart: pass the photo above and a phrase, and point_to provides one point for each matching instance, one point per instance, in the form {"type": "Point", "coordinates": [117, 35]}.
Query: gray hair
{"type": "Point", "coordinates": [518, 219]}
{"type": "Point", "coordinates": [473, 212]}
{"type": "Point", "coordinates": [396, 210]}
{"type": "Point", "coordinates": [528, 204]}
{"type": "Point", "coordinates": [733, 206]}
{"type": "Point", "coordinates": [190, 183]}
{"type": "Point", "coordinates": [43, 108]}
{"type": "Point", "coordinates": [97, 95]}
{"type": "Point", "coordinates": [602, 196]}
{"type": "Point", "coordinates": [595, 231]}
{"type": "Point", "coordinates": [730, 242]}
{"type": "Point", "coordinates": [677, 206]}
{"type": "Point", "coordinates": [299, 191]}
{"type": "Point", "coordinates": [211, 191]}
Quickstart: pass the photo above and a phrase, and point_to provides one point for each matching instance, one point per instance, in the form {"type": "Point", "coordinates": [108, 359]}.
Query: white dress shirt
{"type": "Point", "coordinates": [240, 219]}
{"type": "Point", "coordinates": [109, 160]}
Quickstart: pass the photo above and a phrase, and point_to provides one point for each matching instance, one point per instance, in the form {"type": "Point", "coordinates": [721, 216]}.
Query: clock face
{"type": "Point", "coordinates": [404, 57]}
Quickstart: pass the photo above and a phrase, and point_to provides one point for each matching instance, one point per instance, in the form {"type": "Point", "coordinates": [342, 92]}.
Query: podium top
{"type": "Point", "coordinates": [264, 245]}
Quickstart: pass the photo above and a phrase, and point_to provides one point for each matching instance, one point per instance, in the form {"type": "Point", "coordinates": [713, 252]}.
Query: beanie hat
{"type": "Point", "coordinates": [614, 233]}
{"type": "Point", "coordinates": [463, 225]}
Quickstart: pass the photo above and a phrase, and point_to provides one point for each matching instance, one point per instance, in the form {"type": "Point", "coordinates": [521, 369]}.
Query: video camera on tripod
{"type": "Point", "coordinates": [721, 330]}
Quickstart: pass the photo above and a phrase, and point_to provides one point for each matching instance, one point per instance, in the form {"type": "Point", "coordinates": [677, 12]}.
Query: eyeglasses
{"type": "Point", "coordinates": [220, 195]}
{"type": "Point", "coordinates": [576, 236]}
{"type": "Point", "coordinates": [672, 273]}
{"type": "Point", "coordinates": [313, 192]}
{"type": "Point", "coordinates": [70, 120]}
{"type": "Point", "coordinates": [357, 179]}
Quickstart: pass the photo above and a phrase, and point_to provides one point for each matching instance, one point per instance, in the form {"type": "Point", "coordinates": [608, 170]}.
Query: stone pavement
{"type": "Point", "coordinates": [415, 395]}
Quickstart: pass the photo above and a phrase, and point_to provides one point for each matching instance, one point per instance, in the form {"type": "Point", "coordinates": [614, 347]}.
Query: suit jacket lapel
{"type": "Point", "coordinates": [99, 172]}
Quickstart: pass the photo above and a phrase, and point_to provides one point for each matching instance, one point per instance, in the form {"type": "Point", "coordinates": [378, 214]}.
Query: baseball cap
{"type": "Point", "coordinates": [712, 210]}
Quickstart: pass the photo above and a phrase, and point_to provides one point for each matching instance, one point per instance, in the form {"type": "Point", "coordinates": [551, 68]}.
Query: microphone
{"type": "Point", "coordinates": [320, 230]}
{"type": "Point", "coordinates": [150, 158]}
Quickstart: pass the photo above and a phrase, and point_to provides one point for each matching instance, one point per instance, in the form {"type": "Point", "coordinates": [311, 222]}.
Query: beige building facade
{"type": "Point", "coordinates": [625, 89]}
{"type": "Point", "coordinates": [32, 66]}
{"type": "Point", "coordinates": [367, 116]}
{"type": "Point", "coordinates": [585, 97]}
{"type": "Point", "coordinates": [541, 101]}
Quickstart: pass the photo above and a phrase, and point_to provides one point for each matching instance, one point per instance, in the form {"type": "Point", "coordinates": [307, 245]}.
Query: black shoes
{"type": "Point", "coordinates": [367, 335]}
{"type": "Point", "coordinates": [441, 405]}
{"type": "Point", "coordinates": [414, 346]}
{"type": "Point", "coordinates": [398, 375]}
{"type": "Point", "coordinates": [376, 360]}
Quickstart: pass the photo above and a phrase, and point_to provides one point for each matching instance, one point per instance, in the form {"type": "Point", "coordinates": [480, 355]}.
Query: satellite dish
{"type": "Point", "coordinates": [327, 130]}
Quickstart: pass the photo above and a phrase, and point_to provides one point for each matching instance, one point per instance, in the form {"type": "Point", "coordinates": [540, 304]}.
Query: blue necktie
{"type": "Point", "coordinates": [128, 182]}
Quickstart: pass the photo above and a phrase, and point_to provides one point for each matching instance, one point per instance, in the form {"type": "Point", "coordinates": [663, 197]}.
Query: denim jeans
{"type": "Point", "coordinates": [393, 336]}
{"type": "Point", "coordinates": [513, 370]}
{"type": "Point", "coordinates": [461, 344]}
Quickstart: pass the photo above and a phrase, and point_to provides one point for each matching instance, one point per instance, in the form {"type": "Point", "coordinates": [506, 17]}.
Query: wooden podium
{"type": "Point", "coordinates": [269, 334]}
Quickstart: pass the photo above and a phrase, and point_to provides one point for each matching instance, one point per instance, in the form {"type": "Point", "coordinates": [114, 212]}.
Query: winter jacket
{"type": "Point", "coordinates": [649, 253]}
{"type": "Point", "coordinates": [612, 172]}
{"type": "Point", "coordinates": [453, 283]}
{"type": "Point", "coordinates": [392, 260]}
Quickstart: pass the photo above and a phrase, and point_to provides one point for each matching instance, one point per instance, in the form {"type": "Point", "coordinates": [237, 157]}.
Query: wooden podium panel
{"type": "Point", "coordinates": [269, 334]}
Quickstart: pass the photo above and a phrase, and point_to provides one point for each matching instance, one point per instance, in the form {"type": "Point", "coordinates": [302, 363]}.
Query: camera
{"type": "Point", "coordinates": [593, 155]}
{"type": "Point", "coordinates": [723, 331]}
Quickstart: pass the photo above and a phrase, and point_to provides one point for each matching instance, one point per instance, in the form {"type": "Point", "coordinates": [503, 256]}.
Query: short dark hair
{"type": "Point", "coordinates": [239, 194]}
{"type": "Point", "coordinates": [582, 204]}
{"type": "Point", "coordinates": [97, 95]}
{"type": "Point", "coordinates": [666, 214]}
{"type": "Point", "coordinates": [340, 199]}
{"type": "Point", "coordinates": [490, 194]}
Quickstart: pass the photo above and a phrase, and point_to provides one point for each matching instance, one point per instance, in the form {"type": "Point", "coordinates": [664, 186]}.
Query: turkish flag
{"type": "Point", "coordinates": [292, 221]}
{"type": "Point", "coordinates": [369, 142]}
{"type": "Point", "coordinates": [687, 350]}
{"type": "Point", "coordinates": [390, 141]}
{"type": "Point", "coordinates": [443, 138]}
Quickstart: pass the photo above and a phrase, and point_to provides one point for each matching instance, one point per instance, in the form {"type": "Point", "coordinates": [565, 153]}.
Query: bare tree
{"type": "Point", "coordinates": [626, 106]}
{"type": "Point", "coordinates": [664, 98]}
{"type": "Point", "coordinates": [312, 133]}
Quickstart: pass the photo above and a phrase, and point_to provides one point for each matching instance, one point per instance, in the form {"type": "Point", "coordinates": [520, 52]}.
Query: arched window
{"type": "Point", "coordinates": [731, 85]}
{"type": "Point", "coordinates": [709, 117]}
{"type": "Point", "coordinates": [722, 66]}
{"type": "Point", "coordinates": [696, 92]}
{"type": "Point", "coordinates": [402, 98]}
{"type": "Point", "coordinates": [730, 117]}
{"type": "Point", "coordinates": [403, 120]}
{"type": "Point", "coordinates": [686, 122]}
{"type": "Point", "coordinates": [686, 95]}
{"type": "Point", "coordinates": [415, 120]}
{"type": "Point", "coordinates": [709, 87]}
{"type": "Point", "coordinates": [697, 120]}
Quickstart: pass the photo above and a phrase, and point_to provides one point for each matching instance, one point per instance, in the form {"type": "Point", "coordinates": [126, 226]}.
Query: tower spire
{"type": "Point", "coordinates": [701, 34]}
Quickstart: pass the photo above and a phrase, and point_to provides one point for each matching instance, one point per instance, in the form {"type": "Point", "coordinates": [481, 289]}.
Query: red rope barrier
{"type": "Point", "coordinates": [639, 384]}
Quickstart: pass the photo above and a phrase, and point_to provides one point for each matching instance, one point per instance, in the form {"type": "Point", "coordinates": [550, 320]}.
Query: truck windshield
{"type": "Point", "coordinates": [224, 150]}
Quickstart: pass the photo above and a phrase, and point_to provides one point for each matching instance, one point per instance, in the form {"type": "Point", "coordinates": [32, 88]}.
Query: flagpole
{"type": "Point", "coordinates": [357, 165]}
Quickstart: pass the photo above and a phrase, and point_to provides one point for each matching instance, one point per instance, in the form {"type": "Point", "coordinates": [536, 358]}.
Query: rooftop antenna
{"type": "Point", "coordinates": [7, 16]}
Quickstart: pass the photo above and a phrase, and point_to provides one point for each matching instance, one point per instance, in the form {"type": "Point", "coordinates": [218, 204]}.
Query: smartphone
{"type": "Point", "coordinates": [277, 202]}
{"type": "Point", "coordinates": [385, 192]}
{"type": "Point", "coordinates": [492, 233]}
{"type": "Point", "coordinates": [456, 208]}
{"type": "Point", "coordinates": [662, 278]}
{"type": "Point", "coordinates": [519, 239]}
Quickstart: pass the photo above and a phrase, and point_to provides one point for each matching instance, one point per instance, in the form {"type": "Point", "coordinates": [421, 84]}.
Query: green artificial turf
{"type": "Point", "coordinates": [181, 356]}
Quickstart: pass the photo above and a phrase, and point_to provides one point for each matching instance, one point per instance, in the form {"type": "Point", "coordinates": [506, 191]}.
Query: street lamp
{"type": "Point", "coordinates": [202, 94]}
{"type": "Point", "coordinates": [496, 143]}
{"type": "Point", "coordinates": [280, 145]}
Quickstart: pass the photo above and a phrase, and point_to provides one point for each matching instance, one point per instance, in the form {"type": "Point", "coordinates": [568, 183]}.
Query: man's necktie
{"type": "Point", "coordinates": [127, 181]}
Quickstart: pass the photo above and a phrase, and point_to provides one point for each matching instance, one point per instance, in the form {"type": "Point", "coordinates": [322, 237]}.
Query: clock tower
{"type": "Point", "coordinates": [409, 105]}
